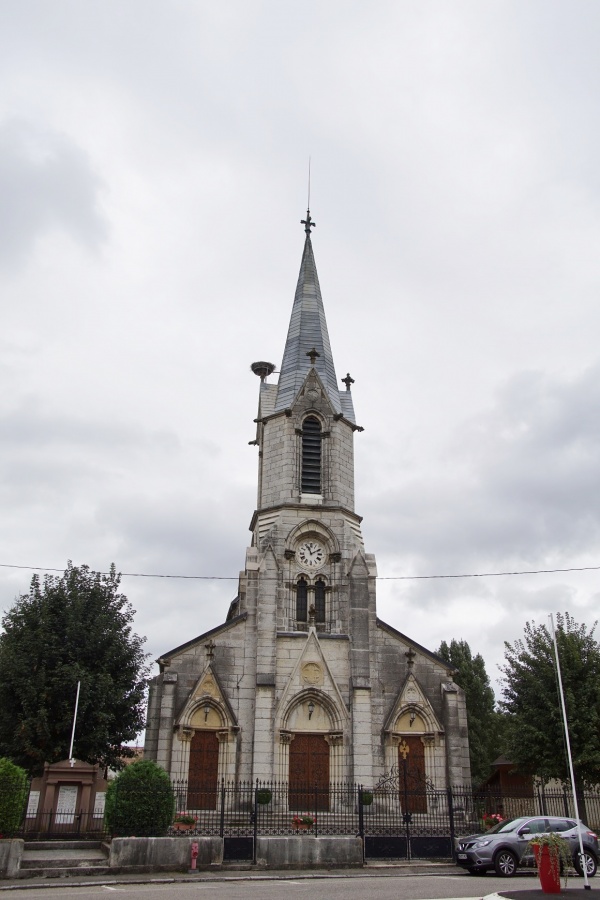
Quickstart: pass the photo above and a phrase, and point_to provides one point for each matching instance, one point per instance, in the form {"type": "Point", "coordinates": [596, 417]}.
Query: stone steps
{"type": "Point", "coordinates": [60, 859]}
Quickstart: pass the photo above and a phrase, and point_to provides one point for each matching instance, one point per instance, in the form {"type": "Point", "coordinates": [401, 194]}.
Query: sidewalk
{"type": "Point", "coordinates": [239, 873]}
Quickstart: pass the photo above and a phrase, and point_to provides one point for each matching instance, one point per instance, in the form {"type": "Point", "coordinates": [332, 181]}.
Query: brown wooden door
{"type": "Point", "coordinates": [204, 771]}
{"type": "Point", "coordinates": [413, 791]}
{"type": "Point", "coordinates": [309, 773]}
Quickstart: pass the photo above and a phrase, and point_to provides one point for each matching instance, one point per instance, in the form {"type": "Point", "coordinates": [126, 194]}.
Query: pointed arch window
{"type": "Point", "coordinates": [319, 600]}
{"type": "Point", "coordinates": [302, 600]}
{"type": "Point", "coordinates": [311, 456]}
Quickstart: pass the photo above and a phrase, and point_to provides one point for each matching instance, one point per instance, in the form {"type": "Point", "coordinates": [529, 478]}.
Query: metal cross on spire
{"type": "Point", "coordinates": [308, 222]}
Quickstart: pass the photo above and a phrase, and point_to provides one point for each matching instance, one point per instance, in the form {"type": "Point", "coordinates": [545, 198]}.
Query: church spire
{"type": "Point", "coordinates": [307, 345]}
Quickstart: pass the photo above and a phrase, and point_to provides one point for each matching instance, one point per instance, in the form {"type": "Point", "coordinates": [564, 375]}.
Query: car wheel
{"type": "Point", "coordinates": [590, 864]}
{"type": "Point", "coordinates": [505, 864]}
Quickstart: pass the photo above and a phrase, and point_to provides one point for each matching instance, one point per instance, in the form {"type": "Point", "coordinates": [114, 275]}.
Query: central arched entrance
{"type": "Point", "coordinates": [309, 772]}
{"type": "Point", "coordinates": [203, 774]}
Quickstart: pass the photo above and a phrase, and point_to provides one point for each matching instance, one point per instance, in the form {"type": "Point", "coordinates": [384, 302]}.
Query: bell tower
{"type": "Point", "coordinates": [303, 684]}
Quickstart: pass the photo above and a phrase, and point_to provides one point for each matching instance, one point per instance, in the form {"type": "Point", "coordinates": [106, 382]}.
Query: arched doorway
{"type": "Point", "coordinates": [203, 773]}
{"type": "Point", "coordinates": [309, 772]}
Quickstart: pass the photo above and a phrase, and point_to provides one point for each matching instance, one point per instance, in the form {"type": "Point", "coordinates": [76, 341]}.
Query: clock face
{"type": "Point", "coordinates": [311, 554]}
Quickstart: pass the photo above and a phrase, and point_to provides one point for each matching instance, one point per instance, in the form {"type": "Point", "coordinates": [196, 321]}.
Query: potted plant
{"type": "Point", "coordinates": [491, 819]}
{"type": "Point", "coordinates": [264, 796]}
{"type": "Point", "coordinates": [184, 822]}
{"type": "Point", "coordinates": [366, 797]}
{"type": "Point", "coordinates": [552, 855]}
{"type": "Point", "coordinates": [303, 822]}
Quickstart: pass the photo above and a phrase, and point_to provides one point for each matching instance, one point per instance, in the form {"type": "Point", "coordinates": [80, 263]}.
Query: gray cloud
{"type": "Point", "coordinates": [46, 182]}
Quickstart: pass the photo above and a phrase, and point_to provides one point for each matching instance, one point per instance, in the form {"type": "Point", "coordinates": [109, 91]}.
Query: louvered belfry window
{"type": "Point", "coordinates": [311, 456]}
{"type": "Point", "coordinates": [319, 600]}
{"type": "Point", "coordinates": [301, 600]}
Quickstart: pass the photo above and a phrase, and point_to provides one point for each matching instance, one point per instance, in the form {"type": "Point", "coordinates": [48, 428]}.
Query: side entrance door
{"type": "Point", "coordinates": [309, 773]}
{"type": "Point", "coordinates": [413, 792]}
{"type": "Point", "coordinates": [204, 771]}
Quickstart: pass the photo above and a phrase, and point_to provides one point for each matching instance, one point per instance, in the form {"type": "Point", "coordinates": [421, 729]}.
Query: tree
{"type": "Point", "coordinates": [140, 801]}
{"type": "Point", "coordinates": [14, 790]}
{"type": "Point", "coordinates": [530, 696]}
{"type": "Point", "coordinates": [70, 628]}
{"type": "Point", "coordinates": [483, 721]}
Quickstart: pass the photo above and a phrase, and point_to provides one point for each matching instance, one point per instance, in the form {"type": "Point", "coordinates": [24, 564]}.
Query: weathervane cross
{"type": "Point", "coordinates": [308, 222]}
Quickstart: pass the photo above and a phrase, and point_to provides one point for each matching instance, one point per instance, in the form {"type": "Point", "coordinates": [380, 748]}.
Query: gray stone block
{"type": "Point", "coordinates": [163, 853]}
{"type": "Point", "coordinates": [11, 853]}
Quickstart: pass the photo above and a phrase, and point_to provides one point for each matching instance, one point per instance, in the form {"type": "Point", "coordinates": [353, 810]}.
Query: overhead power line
{"type": "Point", "coordinates": [379, 577]}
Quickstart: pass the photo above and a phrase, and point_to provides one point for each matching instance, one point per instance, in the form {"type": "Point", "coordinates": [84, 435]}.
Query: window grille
{"type": "Point", "coordinates": [301, 600]}
{"type": "Point", "coordinates": [311, 456]}
{"type": "Point", "coordinates": [319, 600]}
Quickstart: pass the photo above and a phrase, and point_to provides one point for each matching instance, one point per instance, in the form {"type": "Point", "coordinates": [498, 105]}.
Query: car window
{"type": "Point", "coordinates": [538, 826]}
{"type": "Point", "coordinates": [507, 825]}
{"type": "Point", "coordinates": [560, 825]}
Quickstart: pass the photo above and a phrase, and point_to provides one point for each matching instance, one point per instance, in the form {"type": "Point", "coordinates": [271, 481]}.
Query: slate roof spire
{"type": "Point", "coordinates": [308, 332]}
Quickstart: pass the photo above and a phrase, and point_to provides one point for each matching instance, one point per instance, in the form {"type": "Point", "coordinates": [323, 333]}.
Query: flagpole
{"type": "Point", "coordinates": [71, 760]}
{"type": "Point", "coordinates": [586, 883]}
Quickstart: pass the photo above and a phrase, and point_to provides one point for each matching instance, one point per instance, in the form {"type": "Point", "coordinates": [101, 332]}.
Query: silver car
{"type": "Point", "coordinates": [505, 847]}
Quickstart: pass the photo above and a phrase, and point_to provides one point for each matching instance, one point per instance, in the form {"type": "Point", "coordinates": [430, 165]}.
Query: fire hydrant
{"type": "Point", "coordinates": [194, 854]}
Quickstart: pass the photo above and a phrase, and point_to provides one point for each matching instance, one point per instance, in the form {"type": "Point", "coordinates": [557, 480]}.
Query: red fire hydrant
{"type": "Point", "coordinates": [194, 854]}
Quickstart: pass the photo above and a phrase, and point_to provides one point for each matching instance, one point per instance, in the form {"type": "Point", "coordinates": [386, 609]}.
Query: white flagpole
{"type": "Point", "coordinates": [586, 882]}
{"type": "Point", "coordinates": [71, 760]}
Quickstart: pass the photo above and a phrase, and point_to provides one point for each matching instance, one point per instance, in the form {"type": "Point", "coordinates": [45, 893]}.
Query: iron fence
{"type": "Point", "coordinates": [392, 820]}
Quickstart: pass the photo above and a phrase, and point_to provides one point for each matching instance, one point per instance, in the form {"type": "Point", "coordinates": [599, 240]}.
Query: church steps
{"type": "Point", "coordinates": [57, 859]}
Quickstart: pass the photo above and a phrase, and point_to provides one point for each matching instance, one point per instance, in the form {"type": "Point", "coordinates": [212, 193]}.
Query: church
{"type": "Point", "coordinates": [303, 683]}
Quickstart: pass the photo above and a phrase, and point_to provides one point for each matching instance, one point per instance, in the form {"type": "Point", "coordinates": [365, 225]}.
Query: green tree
{"type": "Point", "coordinates": [70, 628]}
{"type": "Point", "coordinates": [530, 697]}
{"type": "Point", "coordinates": [14, 789]}
{"type": "Point", "coordinates": [140, 801]}
{"type": "Point", "coordinates": [484, 725]}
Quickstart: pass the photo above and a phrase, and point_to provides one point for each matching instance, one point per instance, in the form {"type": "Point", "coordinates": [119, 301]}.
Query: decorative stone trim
{"type": "Point", "coordinates": [184, 734]}
{"type": "Point", "coordinates": [286, 737]}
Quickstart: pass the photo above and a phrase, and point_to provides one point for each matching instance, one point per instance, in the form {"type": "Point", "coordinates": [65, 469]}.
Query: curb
{"type": "Point", "coordinates": [26, 884]}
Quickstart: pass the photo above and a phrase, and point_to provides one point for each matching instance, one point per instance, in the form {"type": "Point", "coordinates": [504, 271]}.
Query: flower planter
{"type": "Point", "coordinates": [182, 826]}
{"type": "Point", "coordinates": [548, 869]}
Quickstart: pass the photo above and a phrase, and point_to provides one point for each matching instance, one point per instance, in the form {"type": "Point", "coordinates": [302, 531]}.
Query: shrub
{"type": "Point", "coordinates": [264, 796]}
{"type": "Point", "coordinates": [140, 801]}
{"type": "Point", "coordinates": [367, 798]}
{"type": "Point", "coordinates": [14, 788]}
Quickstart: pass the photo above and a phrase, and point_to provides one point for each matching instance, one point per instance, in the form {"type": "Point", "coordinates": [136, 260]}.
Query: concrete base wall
{"type": "Point", "coordinates": [163, 854]}
{"type": "Point", "coordinates": [304, 851]}
{"type": "Point", "coordinates": [11, 852]}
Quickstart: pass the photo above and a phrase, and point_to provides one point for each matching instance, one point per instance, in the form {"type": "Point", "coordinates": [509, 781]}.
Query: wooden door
{"type": "Point", "coordinates": [412, 781]}
{"type": "Point", "coordinates": [203, 774]}
{"type": "Point", "coordinates": [309, 773]}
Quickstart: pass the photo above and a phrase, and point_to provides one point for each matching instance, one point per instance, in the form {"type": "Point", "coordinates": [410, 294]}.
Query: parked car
{"type": "Point", "coordinates": [505, 846]}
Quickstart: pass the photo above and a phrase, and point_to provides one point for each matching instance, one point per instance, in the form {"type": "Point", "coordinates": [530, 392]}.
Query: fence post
{"type": "Point", "coordinates": [451, 822]}
{"type": "Point", "coordinates": [566, 802]}
{"type": "Point", "coordinates": [255, 828]}
{"type": "Point", "coordinates": [222, 822]}
{"type": "Point", "coordinates": [316, 807]}
{"type": "Point", "coordinates": [542, 799]}
{"type": "Point", "coordinates": [361, 819]}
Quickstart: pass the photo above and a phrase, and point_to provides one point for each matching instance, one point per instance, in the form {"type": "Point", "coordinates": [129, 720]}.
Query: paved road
{"type": "Point", "coordinates": [356, 887]}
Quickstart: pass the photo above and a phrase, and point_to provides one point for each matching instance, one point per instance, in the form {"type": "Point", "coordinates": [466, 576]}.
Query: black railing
{"type": "Point", "coordinates": [391, 819]}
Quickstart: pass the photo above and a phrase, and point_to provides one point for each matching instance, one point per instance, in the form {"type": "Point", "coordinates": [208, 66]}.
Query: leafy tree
{"type": "Point", "coordinates": [70, 628]}
{"type": "Point", "coordinates": [14, 789]}
{"type": "Point", "coordinates": [530, 697]}
{"type": "Point", "coordinates": [140, 801]}
{"type": "Point", "coordinates": [484, 725]}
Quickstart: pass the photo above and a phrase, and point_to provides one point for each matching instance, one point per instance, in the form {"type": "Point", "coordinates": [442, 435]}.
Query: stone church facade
{"type": "Point", "coordinates": [303, 683]}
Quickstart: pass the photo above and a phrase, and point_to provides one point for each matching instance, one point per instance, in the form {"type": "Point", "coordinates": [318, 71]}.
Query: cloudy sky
{"type": "Point", "coordinates": [153, 174]}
